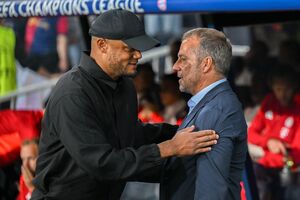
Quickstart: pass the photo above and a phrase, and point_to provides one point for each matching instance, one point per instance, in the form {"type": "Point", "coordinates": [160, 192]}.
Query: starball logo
{"type": "Point", "coordinates": [162, 5]}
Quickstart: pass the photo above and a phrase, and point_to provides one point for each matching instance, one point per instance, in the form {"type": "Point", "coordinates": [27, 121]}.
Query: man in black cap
{"type": "Point", "coordinates": [92, 141]}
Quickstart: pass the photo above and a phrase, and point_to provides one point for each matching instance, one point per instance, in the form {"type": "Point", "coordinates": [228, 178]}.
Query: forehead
{"type": "Point", "coordinates": [29, 150]}
{"type": "Point", "coordinates": [189, 44]}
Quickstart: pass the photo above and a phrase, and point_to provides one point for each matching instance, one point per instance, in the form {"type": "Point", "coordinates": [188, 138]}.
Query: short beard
{"type": "Point", "coordinates": [130, 75]}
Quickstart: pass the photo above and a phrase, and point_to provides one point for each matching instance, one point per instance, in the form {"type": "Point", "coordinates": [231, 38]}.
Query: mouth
{"type": "Point", "coordinates": [133, 64]}
{"type": "Point", "coordinates": [179, 76]}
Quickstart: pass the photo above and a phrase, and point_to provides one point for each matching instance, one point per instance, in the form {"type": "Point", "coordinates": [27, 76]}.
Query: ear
{"type": "Point", "coordinates": [207, 64]}
{"type": "Point", "coordinates": [102, 44]}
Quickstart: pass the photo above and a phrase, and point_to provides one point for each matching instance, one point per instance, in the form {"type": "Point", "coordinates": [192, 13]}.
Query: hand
{"type": "Point", "coordinates": [186, 142]}
{"type": "Point", "coordinates": [28, 177]}
{"type": "Point", "coordinates": [276, 146]}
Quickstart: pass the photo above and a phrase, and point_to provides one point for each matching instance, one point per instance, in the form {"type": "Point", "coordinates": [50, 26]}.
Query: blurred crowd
{"type": "Point", "coordinates": [267, 84]}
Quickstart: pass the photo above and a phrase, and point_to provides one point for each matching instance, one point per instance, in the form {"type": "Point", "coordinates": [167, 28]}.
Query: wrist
{"type": "Point", "coordinates": [166, 149]}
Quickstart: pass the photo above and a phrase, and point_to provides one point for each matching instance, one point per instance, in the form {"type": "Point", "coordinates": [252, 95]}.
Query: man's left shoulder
{"type": "Point", "coordinates": [226, 99]}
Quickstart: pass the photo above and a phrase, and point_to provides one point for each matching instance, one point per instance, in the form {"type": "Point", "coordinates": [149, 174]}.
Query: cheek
{"type": "Point", "coordinates": [186, 70]}
{"type": "Point", "coordinates": [125, 57]}
{"type": "Point", "coordinates": [32, 164]}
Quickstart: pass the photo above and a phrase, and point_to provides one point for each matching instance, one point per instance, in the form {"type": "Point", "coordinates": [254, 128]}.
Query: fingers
{"type": "Point", "coordinates": [205, 136]}
{"type": "Point", "coordinates": [205, 133]}
{"type": "Point", "coordinates": [26, 173]}
{"type": "Point", "coordinates": [186, 142]}
{"type": "Point", "coordinates": [276, 146]}
{"type": "Point", "coordinates": [282, 149]}
{"type": "Point", "coordinates": [205, 140]}
{"type": "Point", "coordinates": [286, 145]}
{"type": "Point", "coordinates": [28, 177]}
{"type": "Point", "coordinates": [203, 150]}
{"type": "Point", "coordinates": [209, 143]}
{"type": "Point", "coordinates": [188, 129]}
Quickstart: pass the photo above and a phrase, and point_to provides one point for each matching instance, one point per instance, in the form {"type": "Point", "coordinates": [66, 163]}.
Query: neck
{"type": "Point", "coordinates": [208, 81]}
{"type": "Point", "coordinates": [103, 64]}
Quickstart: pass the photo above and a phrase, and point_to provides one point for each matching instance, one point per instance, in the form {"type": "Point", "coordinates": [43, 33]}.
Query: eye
{"type": "Point", "coordinates": [128, 49]}
{"type": "Point", "coordinates": [182, 58]}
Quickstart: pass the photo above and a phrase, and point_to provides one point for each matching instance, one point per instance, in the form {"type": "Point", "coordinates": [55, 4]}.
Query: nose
{"type": "Point", "coordinates": [137, 54]}
{"type": "Point", "coordinates": [176, 66]}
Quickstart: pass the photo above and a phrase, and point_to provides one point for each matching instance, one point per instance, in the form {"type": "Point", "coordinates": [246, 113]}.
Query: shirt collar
{"type": "Point", "coordinates": [199, 96]}
{"type": "Point", "coordinates": [91, 67]}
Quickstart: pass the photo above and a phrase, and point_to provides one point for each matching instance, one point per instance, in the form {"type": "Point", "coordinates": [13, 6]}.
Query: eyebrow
{"type": "Point", "coordinates": [128, 47]}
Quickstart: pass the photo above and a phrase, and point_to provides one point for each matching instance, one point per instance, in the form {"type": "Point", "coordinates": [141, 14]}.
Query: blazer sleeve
{"type": "Point", "coordinates": [213, 168]}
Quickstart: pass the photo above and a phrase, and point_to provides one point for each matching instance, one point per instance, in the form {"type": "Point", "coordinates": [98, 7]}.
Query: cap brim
{"type": "Point", "coordinates": [142, 43]}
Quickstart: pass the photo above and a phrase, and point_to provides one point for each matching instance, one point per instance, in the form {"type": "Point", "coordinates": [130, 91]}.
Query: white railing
{"type": "Point", "coordinates": [12, 96]}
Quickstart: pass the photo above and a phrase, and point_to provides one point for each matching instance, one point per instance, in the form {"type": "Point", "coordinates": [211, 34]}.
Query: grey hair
{"type": "Point", "coordinates": [215, 44]}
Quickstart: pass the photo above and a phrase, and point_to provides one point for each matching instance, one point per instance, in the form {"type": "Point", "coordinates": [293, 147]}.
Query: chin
{"type": "Point", "coordinates": [181, 89]}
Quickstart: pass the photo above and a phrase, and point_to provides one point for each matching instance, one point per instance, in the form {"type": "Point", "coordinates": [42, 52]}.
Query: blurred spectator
{"type": "Point", "coordinates": [19, 27]}
{"type": "Point", "coordinates": [144, 80]}
{"type": "Point", "coordinates": [75, 43]}
{"type": "Point", "coordinates": [149, 112]}
{"type": "Point", "coordinates": [46, 44]}
{"type": "Point", "coordinates": [151, 107]}
{"type": "Point", "coordinates": [28, 154]}
{"type": "Point", "coordinates": [8, 81]}
{"type": "Point", "coordinates": [289, 51]}
{"type": "Point", "coordinates": [170, 60]}
{"type": "Point", "coordinates": [174, 49]}
{"type": "Point", "coordinates": [15, 127]}
{"type": "Point", "coordinates": [256, 61]}
{"type": "Point", "coordinates": [175, 106]}
{"type": "Point", "coordinates": [258, 90]}
{"type": "Point", "coordinates": [276, 132]}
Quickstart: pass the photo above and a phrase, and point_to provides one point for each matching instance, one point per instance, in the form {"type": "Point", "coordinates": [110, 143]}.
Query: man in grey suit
{"type": "Point", "coordinates": [203, 61]}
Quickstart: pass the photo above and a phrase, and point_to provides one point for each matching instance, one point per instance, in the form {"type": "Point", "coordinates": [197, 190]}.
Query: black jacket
{"type": "Point", "coordinates": [91, 141]}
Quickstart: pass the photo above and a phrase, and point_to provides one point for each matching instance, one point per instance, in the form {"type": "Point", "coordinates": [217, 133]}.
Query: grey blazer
{"type": "Point", "coordinates": [217, 174]}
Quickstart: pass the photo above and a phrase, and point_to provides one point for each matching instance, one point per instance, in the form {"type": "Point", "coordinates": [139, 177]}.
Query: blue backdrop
{"type": "Point", "coordinates": [26, 8]}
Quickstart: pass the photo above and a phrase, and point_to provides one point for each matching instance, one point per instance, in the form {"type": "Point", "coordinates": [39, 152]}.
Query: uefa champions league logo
{"type": "Point", "coordinates": [162, 5]}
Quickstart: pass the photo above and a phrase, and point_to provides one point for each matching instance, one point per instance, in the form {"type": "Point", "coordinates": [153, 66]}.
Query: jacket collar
{"type": "Point", "coordinates": [208, 97]}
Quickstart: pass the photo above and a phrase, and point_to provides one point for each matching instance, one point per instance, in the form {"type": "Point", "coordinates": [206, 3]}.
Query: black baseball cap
{"type": "Point", "coordinates": [122, 25]}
